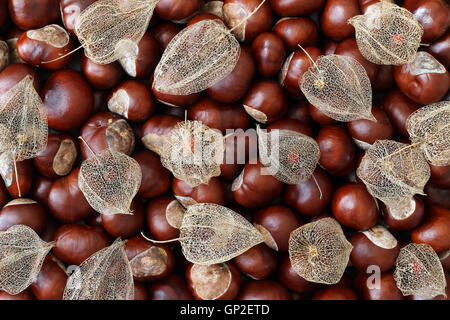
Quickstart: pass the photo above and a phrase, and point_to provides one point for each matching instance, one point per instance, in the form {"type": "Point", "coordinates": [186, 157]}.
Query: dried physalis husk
{"type": "Point", "coordinates": [289, 156]}
{"type": "Point", "coordinates": [319, 251]}
{"type": "Point", "coordinates": [193, 152]}
{"type": "Point", "coordinates": [210, 234]}
{"type": "Point", "coordinates": [105, 275]}
{"type": "Point", "coordinates": [339, 87]}
{"type": "Point", "coordinates": [22, 253]}
{"type": "Point", "coordinates": [109, 181]}
{"type": "Point", "coordinates": [419, 271]}
{"type": "Point", "coordinates": [430, 126]}
{"type": "Point", "coordinates": [106, 27]}
{"type": "Point", "coordinates": [197, 57]}
{"type": "Point", "coordinates": [394, 172]}
{"type": "Point", "coordinates": [387, 34]}
{"type": "Point", "coordinates": [24, 127]}
{"type": "Point", "coordinates": [425, 63]}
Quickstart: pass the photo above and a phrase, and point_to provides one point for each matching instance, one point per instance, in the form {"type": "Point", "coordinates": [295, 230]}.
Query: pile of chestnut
{"type": "Point", "coordinates": [86, 99]}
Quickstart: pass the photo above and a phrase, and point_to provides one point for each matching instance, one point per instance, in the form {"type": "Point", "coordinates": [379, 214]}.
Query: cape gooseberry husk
{"type": "Point", "coordinates": [106, 27]}
{"type": "Point", "coordinates": [22, 253]}
{"type": "Point", "coordinates": [419, 271]}
{"type": "Point", "coordinates": [319, 251]}
{"type": "Point", "coordinates": [387, 34]}
{"type": "Point", "coordinates": [339, 87]}
{"type": "Point", "coordinates": [109, 181]}
{"type": "Point", "coordinates": [430, 126]}
{"type": "Point", "coordinates": [193, 152]}
{"type": "Point", "coordinates": [394, 172]}
{"type": "Point", "coordinates": [105, 275]}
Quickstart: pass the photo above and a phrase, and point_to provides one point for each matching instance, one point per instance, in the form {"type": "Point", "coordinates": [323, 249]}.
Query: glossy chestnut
{"type": "Point", "coordinates": [440, 176]}
{"type": "Point", "coordinates": [439, 49]}
{"type": "Point", "coordinates": [213, 192]}
{"type": "Point", "coordinates": [125, 225]}
{"type": "Point", "coordinates": [408, 221]}
{"type": "Point", "coordinates": [289, 8]}
{"type": "Point", "coordinates": [213, 282]}
{"type": "Point", "coordinates": [298, 110]}
{"type": "Point", "coordinates": [68, 100]}
{"type": "Point", "coordinates": [335, 292]}
{"type": "Point", "coordinates": [318, 116]}
{"type": "Point", "coordinates": [384, 289]}
{"type": "Point", "coordinates": [50, 281]}
{"type": "Point", "coordinates": [292, 280]}
{"type": "Point", "coordinates": [173, 100]}
{"type": "Point", "coordinates": [291, 125]}
{"type": "Point", "coordinates": [172, 287]}
{"type": "Point", "coordinates": [4, 196]}
{"type": "Point", "coordinates": [74, 243]}
{"type": "Point", "coordinates": [25, 212]}
{"type": "Point", "coordinates": [40, 189]}
{"type": "Point", "coordinates": [239, 148]}
{"type": "Point", "coordinates": [23, 180]}
{"type": "Point", "coordinates": [164, 33]}
{"type": "Point", "coordinates": [269, 53]}
{"type": "Point", "coordinates": [33, 14]}
{"type": "Point", "coordinates": [263, 290]}
{"type": "Point", "coordinates": [437, 196]}
{"type": "Point", "coordinates": [156, 127]}
{"type": "Point", "coordinates": [434, 229]}
{"type": "Point", "coordinates": [71, 10]}
{"type": "Point", "coordinates": [258, 262]}
{"type": "Point", "coordinates": [102, 76]}
{"type": "Point", "coordinates": [385, 78]}
{"type": "Point", "coordinates": [353, 206]}
{"type": "Point", "coordinates": [164, 216]}
{"type": "Point", "coordinates": [14, 73]}
{"type": "Point", "coordinates": [24, 295]}
{"type": "Point", "coordinates": [297, 31]}
{"type": "Point", "coordinates": [177, 9]}
{"type": "Point", "coordinates": [155, 178]}
{"type": "Point", "coordinates": [335, 15]}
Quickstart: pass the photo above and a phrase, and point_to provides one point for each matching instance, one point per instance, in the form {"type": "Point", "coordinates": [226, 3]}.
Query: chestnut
{"type": "Point", "coordinates": [398, 107]}
{"type": "Point", "coordinates": [234, 11]}
{"type": "Point", "coordinates": [365, 4]}
{"type": "Point", "coordinates": [102, 76]}
{"type": "Point", "coordinates": [68, 100]}
{"type": "Point", "coordinates": [74, 243]}
{"type": "Point", "coordinates": [14, 73]}
{"type": "Point", "coordinates": [234, 86]}
{"type": "Point", "coordinates": [218, 115]}
{"type": "Point", "coordinates": [385, 289]}
{"type": "Point", "coordinates": [24, 177]}
{"type": "Point", "coordinates": [240, 146]}
{"type": "Point", "coordinates": [375, 246]}
{"type": "Point", "coordinates": [263, 290]}
{"type": "Point", "coordinates": [276, 224]}
{"type": "Point", "coordinates": [213, 282]}
{"type": "Point", "coordinates": [172, 287]}
{"type": "Point", "coordinates": [353, 206]}
{"type": "Point", "coordinates": [433, 15]}
{"type": "Point", "coordinates": [213, 192]}
{"type": "Point", "coordinates": [58, 157]}
{"type": "Point", "coordinates": [437, 196]}
{"type": "Point", "coordinates": [265, 101]}
{"type": "Point", "coordinates": [177, 9]}
{"type": "Point", "coordinates": [292, 280]}
{"type": "Point", "coordinates": [439, 49]}
{"type": "Point", "coordinates": [164, 216]}
{"type": "Point", "coordinates": [306, 197]}
{"type": "Point", "coordinates": [3, 194]}
{"type": "Point", "coordinates": [337, 152]}
{"type": "Point", "coordinates": [40, 189]}
{"type": "Point", "coordinates": [66, 202]}
{"type": "Point", "coordinates": [434, 230]}
{"type": "Point", "coordinates": [298, 110]}
{"type": "Point", "coordinates": [23, 211]}
{"type": "Point", "coordinates": [252, 188]}
{"type": "Point", "coordinates": [71, 10]}
{"type": "Point", "coordinates": [124, 225]}
{"type": "Point", "coordinates": [297, 31]}
{"type": "Point", "coordinates": [45, 44]}
{"type": "Point", "coordinates": [335, 292]}
{"type": "Point", "coordinates": [318, 116]}
{"type": "Point", "coordinates": [408, 221]}
{"type": "Point", "coordinates": [296, 64]}
{"type": "Point", "coordinates": [385, 78]}
{"type": "Point", "coordinates": [106, 130]}
{"type": "Point", "coordinates": [174, 100]}
{"type": "Point", "coordinates": [328, 46]}
{"type": "Point", "coordinates": [155, 178]}
{"type": "Point", "coordinates": [24, 295]}
{"type": "Point", "coordinates": [33, 14]}
{"type": "Point", "coordinates": [164, 33]}
{"type": "Point", "coordinates": [258, 262]}
{"type": "Point", "coordinates": [140, 291]}
{"type": "Point", "coordinates": [153, 261]}
{"type": "Point", "coordinates": [440, 176]}
{"type": "Point", "coordinates": [141, 58]}
{"type": "Point", "coordinates": [292, 125]}
{"type": "Point", "coordinates": [425, 88]}
{"type": "Point", "coordinates": [155, 128]}
{"type": "Point", "coordinates": [269, 53]}
{"type": "Point", "coordinates": [286, 8]}
{"type": "Point", "coordinates": [132, 100]}
{"type": "Point", "coordinates": [51, 280]}
{"type": "Point", "coordinates": [365, 132]}
{"type": "Point", "coordinates": [335, 15]}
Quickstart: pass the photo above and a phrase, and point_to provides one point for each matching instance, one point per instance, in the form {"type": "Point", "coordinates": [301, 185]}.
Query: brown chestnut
{"type": "Point", "coordinates": [269, 53]}
{"type": "Point", "coordinates": [297, 31]}
{"type": "Point", "coordinates": [353, 206]}
{"type": "Point", "coordinates": [33, 14]}
{"type": "Point", "coordinates": [50, 281]}
{"type": "Point", "coordinates": [3, 193]}
{"type": "Point", "coordinates": [408, 221]}
{"type": "Point", "coordinates": [437, 196]}
{"type": "Point", "coordinates": [434, 230]}
{"type": "Point", "coordinates": [140, 291]}
{"type": "Point", "coordinates": [295, 7]}
{"type": "Point", "coordinates": [164, 33]}
{"type": "Point", "coordinates": [156, 127]}
{"type": "Point", "coordinates": [174, 100]}
{"type": "Point", "coordinates": [213, 192]}
{"type": "Point", "coordinates": [335, 292]}
{"type": "Point", "coordinates": [263, 290]}
{"type": "Point", "coordinates": [177, 9]}
{"type": "Point", "coordinates": [258, 262]}
{"type": "Point", "coordinates": [71, 10]}
{"type": "Point", "coordinates": [24, 295]}
{"type": "Point", "coordinates": [318, 116]}
{"type": "Point", "coordinates": [385, 289]}
{"type": "Point", "coordinates": [17, 186]}
{"type": "Point", "coordinates": [292, 125]}
{"type": "Point", "coordinates": [74, 243]}
{"type": "Point", "coordinates": [298, 110]}
{"type": "Point", "coordinates": [14, 73]}
{"type": "Point", "coordinates": [25, 212]}
{"type": "Point", "coordinates": [172, 287]}
{"type": "Point", "coordinates": [335, 15]}
{"type": "Point", "coordinates": [440, 176]}
{"type": "Point", "coordinates": [213, 282]}
{"type": "Point", "coordinates": [155, 178]}
{"type": "Point", "coordinates": [439, 49]}
{"type": "Point", "coordinates": [164, 216]}
{"type": "Point", "coordinates": [40, 189]}
{"type": "Point", "coordinates": [102, 76]}
{"type": "Point", "coordinates": [292, 280]}
{"type": "Point", "coordinates": [125, 225]}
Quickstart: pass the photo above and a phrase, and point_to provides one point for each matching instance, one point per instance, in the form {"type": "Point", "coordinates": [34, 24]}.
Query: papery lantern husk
{"type": "Point", "coordinates": [339, 87]}
{"type": "Point", "coordinates": [22, 253]}
{"type": "Point", "coordinates": [105, 275]}
{"type": "Point", "coordinates": [430, 126]}
{"type": "Point", "coordinates": [319, 251]}
{"type": "Point", "coordinates": [387, 34]}
{"type": "Point", "coordinates": [418, 271]}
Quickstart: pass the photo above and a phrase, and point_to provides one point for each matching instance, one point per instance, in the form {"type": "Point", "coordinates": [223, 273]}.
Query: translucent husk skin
{"type": "Point", "coordinates": [339, 87]}
{"type": "Point", "coordinates": [212, 234]}
{"type": "Point", "coordinates": [109, 181]}
{"type": "Point", "coordinates": [394, 172]}
{"type": "Point", "coordinates": [430, 126]}
{"type": "Point", "coordinates": [103, 26]}
{"type": "Point", "coordinates": [319, 251]}
{"type": "Point", "coordinates": [105, 275]}
{"type": "Point", "coordinates": [22, 253]}
{"type": "Point", "coordinates": [419, 271]}
{"type": "Point", "coordinates": [197, 57]}
{"type": "Point", "coordinates": [387, 34]}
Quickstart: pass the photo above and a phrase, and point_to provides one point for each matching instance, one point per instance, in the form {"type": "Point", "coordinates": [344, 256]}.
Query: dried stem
{"type": "Point", "coordinates": [17, 177]}
{"type": "Point", "coordinates": [158, 241]}
{"type": "Point", "coordinates": [248, 17]}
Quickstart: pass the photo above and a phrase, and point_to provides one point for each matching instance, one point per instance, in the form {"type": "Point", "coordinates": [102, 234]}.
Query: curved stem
{"type": "Point", "coordinates": [17, 177]}
{"type": "Point", "coordinates": [318, 186]}
{"type": "Point", "coordinates": [157, 241]}
{"type": "Point", "coordinates": [63, 56]}
{"type": "Point", "coordinates": [248, 17]}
